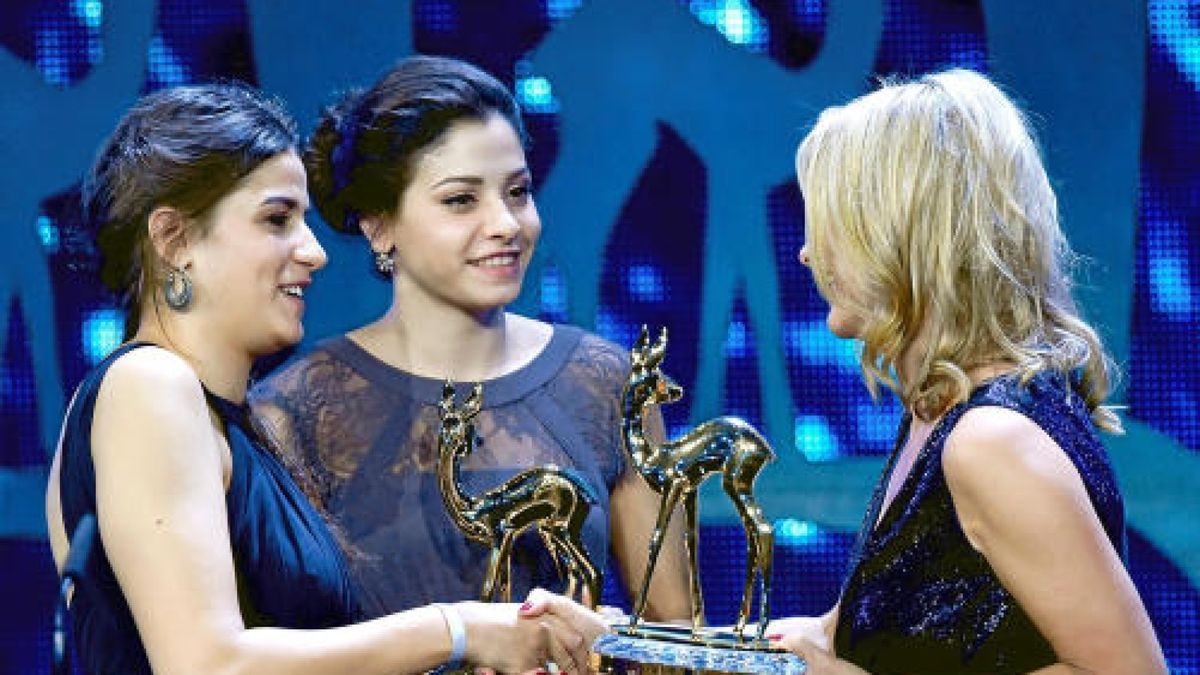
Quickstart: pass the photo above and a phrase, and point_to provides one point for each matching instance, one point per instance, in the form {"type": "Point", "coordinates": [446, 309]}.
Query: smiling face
{"type": "Point", "coordinates": [253, 265]}
{"type": "Point", "coordinates": [466, 225]}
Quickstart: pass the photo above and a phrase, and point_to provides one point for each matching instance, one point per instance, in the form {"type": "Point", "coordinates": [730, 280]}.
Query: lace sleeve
{"type": "Point", "coordinates": [280, 405]}
{"type": "Point", "coordinates": [602, 368]}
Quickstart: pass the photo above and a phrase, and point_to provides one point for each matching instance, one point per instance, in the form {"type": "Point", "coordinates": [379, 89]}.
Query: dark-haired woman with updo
{"type": "Point", "coordinates": [210, 559]}
{"type": "Point", "coordinates": [428, 166]}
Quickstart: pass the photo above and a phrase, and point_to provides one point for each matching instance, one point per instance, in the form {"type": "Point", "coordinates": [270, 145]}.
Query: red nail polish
{"type": "Point", "coordinates": [775, 637]}
{"type": "Point", "coordinates": [527, 606]}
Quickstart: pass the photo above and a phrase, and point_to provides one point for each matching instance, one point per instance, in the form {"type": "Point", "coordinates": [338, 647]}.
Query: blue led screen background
{"type": "Point", "coordinates": [663, 136]}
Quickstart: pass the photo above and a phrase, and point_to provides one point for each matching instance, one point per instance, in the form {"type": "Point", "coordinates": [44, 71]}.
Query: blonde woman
{"type": "Point", "coordinates": [995, 539]}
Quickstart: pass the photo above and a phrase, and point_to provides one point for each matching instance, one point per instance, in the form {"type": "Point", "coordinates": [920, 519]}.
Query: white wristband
{"type": "Point", "coordinates": [458, 635]}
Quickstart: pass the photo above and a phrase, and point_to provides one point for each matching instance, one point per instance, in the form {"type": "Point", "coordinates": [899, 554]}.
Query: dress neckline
{"type": "Point", "coordinates": [497, 391]}
{"type": "Point", "coordinates": [238, 413]}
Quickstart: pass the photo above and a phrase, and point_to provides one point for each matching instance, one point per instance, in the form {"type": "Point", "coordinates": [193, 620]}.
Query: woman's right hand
{"type": "Point", "coordinates": [505, 639]}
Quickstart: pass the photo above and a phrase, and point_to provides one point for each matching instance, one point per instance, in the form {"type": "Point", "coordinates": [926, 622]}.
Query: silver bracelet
{"type": "Point", "coordinates": [458, 635]}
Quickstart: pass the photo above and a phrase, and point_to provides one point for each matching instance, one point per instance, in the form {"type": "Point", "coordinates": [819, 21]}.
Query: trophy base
{"type": "Point", "coordinates": [654, 648]}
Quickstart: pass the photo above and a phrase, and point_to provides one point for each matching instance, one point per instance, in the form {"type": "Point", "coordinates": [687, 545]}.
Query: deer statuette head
{"type": "Point", "coordinates": [647, 383]}
{"type": "Point", "coordinates": [455, 431]}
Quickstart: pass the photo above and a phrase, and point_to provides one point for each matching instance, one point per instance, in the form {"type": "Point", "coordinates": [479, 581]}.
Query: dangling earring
{"type": "Point", "coordinates": [385, 264]}
{"type": "Point", "coordinates": [177, 290]}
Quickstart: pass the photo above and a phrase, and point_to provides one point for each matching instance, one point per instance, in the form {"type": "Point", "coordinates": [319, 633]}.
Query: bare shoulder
{"type": "Point", "coordinates": [151, 400]}
{"type": "Point", "coordinates": [1003, 470]}
{"type": "Point", "coordinates": [150, 376]}
{"type": "Point", "coordinates": [989, 439]}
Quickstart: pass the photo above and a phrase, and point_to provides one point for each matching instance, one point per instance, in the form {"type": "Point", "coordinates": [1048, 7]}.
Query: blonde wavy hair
{"type": "Point", "coordinates": [931, 197]}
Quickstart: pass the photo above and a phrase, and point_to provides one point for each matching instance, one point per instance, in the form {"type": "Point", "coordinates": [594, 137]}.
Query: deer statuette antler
{"type": "Point", "coordinates": [552, 500]}
{"type": "Point", "coordinates": [726, 446]}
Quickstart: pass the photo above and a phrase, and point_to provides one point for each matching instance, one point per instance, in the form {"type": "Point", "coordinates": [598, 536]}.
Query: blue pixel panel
{"type": "Point", "coordinates": [652, 264]}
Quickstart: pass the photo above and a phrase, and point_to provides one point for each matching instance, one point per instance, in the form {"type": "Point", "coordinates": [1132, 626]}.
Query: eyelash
{"type": "Point", "coordinates": [279, 219]}
{"type": "Point", "coordinates": [459, 201]}
{"type": "Point", "coordinates": [464, 200]}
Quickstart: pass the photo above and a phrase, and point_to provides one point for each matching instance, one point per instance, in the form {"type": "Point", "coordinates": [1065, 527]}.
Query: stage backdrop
{"type": "Point", "coordinates": [663, 139]}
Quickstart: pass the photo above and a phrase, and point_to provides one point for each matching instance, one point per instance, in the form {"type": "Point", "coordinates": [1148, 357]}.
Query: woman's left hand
{"type": "Point", "coordinates": [818, 660]}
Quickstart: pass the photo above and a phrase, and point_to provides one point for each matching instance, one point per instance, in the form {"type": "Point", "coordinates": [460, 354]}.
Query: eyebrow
{"type": "Point", "coordinates": [476, 180]}
{"type": "Point", "coordinates": [281, 200]}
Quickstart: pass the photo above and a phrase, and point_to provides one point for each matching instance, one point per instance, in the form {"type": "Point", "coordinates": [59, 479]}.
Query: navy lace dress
{"type": "Point", "coordinates": [368, 434]}
{"type": "Point", "coordinates": [290, 570]}
{"type": "Point", "coordinates": [919, 598]}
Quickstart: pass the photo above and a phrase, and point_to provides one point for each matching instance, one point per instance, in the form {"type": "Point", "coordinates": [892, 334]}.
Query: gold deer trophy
{"type": "Point", "coordinates": [552, 500]}
{"type": "Point", "coordinates": [727, 447]}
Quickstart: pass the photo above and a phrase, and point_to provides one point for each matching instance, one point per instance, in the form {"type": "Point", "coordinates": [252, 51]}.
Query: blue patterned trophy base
{"type": "Point", "coordinates": [663, 648]}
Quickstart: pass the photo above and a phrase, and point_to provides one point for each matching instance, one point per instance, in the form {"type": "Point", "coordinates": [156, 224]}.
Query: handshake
{"type": "Point", "coordinates": [547, 633]}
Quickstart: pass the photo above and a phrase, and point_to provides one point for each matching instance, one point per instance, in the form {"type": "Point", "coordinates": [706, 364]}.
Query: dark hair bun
{"type": "Point", "coordinates": [360, 157]}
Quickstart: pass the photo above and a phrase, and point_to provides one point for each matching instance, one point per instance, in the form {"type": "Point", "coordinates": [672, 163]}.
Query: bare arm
{"type": "Point", "coordinates": [161, 509]}
{"type": "Point", "coordinates": [1022, 504]}
{"type": "Point", "coordinates": [634, 512]}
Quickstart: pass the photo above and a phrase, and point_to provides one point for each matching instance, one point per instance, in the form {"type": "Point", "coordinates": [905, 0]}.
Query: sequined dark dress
{"type": "Point", "coordinates": [368, 434]}
{"type": "Point", "coordinates": [919, 598]}
{"type": "Point", "coordinates": [290, 571]}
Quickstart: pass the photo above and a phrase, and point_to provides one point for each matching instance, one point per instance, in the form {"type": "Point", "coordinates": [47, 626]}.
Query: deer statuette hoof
{"type": "Point", "coordinates": [552, 500]}
{"type": "Point", "coordinates": [675, 469]}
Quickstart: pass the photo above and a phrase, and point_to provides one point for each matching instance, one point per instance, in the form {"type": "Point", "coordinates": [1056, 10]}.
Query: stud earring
{"type": "Point", "coordinates": [177, 290]}
{"type": "Point", "coordinates": [385, 263]}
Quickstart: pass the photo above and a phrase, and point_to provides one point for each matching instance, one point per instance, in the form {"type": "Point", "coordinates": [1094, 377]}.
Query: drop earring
{"type": "Point", "coordinates": [177, 290]}
{"type": "Point", "coordinates": [385, 263]}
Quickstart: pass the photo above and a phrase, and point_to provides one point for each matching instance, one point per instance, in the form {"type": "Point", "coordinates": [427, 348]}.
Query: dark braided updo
{"type": "Point", "coordinates": [360, 158]}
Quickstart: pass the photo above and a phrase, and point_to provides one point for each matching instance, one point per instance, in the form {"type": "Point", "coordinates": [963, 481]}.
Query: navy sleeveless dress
{"type": "Point", "coordinates": [290, 570]}
{"type": "Point", "coordinates": [919, 598]}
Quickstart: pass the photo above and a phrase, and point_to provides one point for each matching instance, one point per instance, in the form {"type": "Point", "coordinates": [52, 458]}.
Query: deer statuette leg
{"type": "Point", "coordinates": [665, 510]}
{"type": "Point", "coordinates": [691, 542]}
{"type": "Point", "coordinates": [760, 539]}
